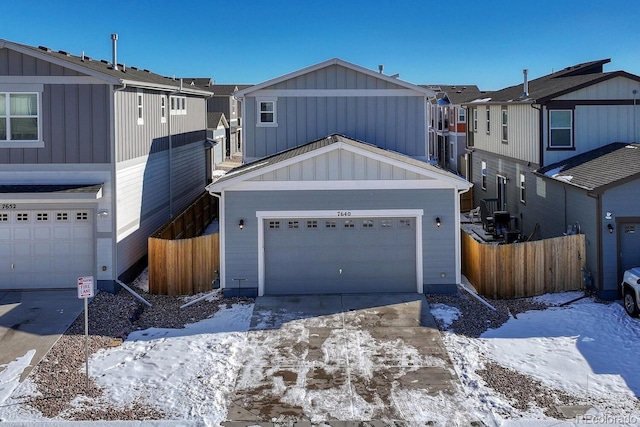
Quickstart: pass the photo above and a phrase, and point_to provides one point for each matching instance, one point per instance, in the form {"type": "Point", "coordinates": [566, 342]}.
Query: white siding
{"type": "Point", "coordinates": [616, 88]}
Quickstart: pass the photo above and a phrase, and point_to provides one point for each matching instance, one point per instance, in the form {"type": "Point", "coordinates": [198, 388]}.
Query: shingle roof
{"type": "Point", "coordinates": [213, 120]}
{"type": "Point", "coordinates": [198, 81]}
{"type": "Point", "coordinates": [555, 84]}
{"type": "Point", "coordinates": [127, 73]}
{"type": "Point", "coordinates": [227, 90]}
{"type": "Point", "coordinates": [320, 143]}
{"type": "Point", "coordinates": [598, 169]}
{"type": "Point", "coordinates": [457, 94]}
{"type": "Point", "coordinates": [50, 188]}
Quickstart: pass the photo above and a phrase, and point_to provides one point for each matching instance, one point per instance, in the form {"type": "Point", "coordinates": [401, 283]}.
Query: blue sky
{"type": "Point", "coordinates": [487, 43]}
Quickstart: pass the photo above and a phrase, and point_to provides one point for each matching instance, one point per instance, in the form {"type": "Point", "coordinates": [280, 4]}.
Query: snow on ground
{"type": "Point", "coordinates": [10, 375]}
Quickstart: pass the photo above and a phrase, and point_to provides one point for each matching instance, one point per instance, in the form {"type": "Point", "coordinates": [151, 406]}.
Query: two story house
{"type": "Point", "coordinates": [95, 155]}
{"type": "Point", "coordinates": [336, 195]}
{"type": "Point", "coordinates": [448, 125]}
{"type": "Point", "coordinates": [516, 131]}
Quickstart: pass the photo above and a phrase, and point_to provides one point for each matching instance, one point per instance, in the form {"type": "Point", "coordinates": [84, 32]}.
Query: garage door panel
{"type": "Point", "coordinates": [22, 233]}
{"type": "Point", "coordinates": [62, 232]}
{"type": "Point", "coordinates": [352, 255]}
{"type": "Point", "coordinates": [43, 249]}
{"type": "Point", "coordinates": [43, 233]}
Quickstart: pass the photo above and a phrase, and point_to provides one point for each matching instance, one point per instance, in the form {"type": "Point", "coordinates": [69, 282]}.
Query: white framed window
{"type": "Point", "coordinates": [488, 120]}
{"type": "Point", "coordinates": [483, 172]}
{"type": "Point", "coordinates": [523, 194]}
{"type": "Point", "coordinates": [178, 105]}
{"type": "Point", "coordinates": [20, 120]}
{"type": "Point", "coordinates": [561, 129]}
{"type": "Point", "coordinates": [163, 109]}
{"type": "Point", "coordinates": [475, 120]}
{"type": "Point", "coordinates": [140, 107]}
{"type": "Point", "coordinates": [267, 115]}
{"type": "Point", "coordinates": [462, 115]}
{"type": "Point", "coordinates": [504, 125]}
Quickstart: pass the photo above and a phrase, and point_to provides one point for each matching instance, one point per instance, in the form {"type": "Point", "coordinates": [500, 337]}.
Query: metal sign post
{"type": "Point", "coordinates": [85, 291]}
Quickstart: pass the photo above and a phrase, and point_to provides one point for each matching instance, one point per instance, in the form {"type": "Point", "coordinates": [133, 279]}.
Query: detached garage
{"type": "Point", "coordinates": [339, 216]}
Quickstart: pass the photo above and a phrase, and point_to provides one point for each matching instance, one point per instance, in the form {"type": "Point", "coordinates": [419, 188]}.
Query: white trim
{"type": "Point", "coordinates": [274, 102]}
{"type": "Point", "coordinates": [163, 109]}
{"type": "Point", "coordinates": [20, 87]}
{"type": "Point", "coordinates": [417, 214]}
{"type": "Point", "coordinates": [425, 184]}
{"type": "Point", "coordinates": [140, 106]}
{"type": "Point", "coordinates": [51, 80]}
{"type": "Point", "coordinates": [336, 92]}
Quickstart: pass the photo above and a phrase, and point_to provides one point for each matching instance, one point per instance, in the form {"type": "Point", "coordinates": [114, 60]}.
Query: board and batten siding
{"type": "Point", "coordinates": [522, 132]}
{"type": "Point", "coordinates": [341, 165]}
{"type": "Point", "coordinates": [439, 248]}
{"type": "Point", "coordinates": [616, 88]}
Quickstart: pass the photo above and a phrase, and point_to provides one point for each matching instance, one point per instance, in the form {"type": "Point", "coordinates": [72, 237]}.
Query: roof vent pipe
{"type": "Point", "coordinates": [114, 43]}
{"type": "Point", "coordinates": [380, 68]}
{"type": "Point", "coordinates": [525, 85]}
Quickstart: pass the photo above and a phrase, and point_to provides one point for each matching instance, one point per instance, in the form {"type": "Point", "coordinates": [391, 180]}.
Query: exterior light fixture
{"type": "Point", "coordinates": [610, 228]}
{"type": "Point", "coordinates": [241, 224]}
{"type": "Point", "coordinates": [103, 213]}
{"type": "Point", "coordinates": [438, 222]}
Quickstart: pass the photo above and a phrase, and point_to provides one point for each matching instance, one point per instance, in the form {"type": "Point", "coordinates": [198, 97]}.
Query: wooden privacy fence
{"type": "Point", "coordinates": [525, 269]}
{"type": "Point", "coordinates": [181, 260]}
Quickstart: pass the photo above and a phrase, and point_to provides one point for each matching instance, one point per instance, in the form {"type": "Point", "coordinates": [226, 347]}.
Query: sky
{"type": "Point", "coordinates": [486, 43]}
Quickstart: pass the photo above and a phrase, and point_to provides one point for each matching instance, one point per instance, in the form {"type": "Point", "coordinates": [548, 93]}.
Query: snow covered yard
{"type": "Point", "coordinates": [577, 363]}
{"type": "Point", "coordinates": [533, 369]}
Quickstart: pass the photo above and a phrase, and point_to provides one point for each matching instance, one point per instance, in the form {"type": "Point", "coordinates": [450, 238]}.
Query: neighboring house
{"type": "Point", "coordinates": [517, 130]}
{"type": "Point", "coordinates": [338, 197]}
{"type": "Point", "coordinates": [217, 127]}
{"type": "Point", "coordinates": [95, 157]}
{"type": "Point", "coordinates": [223, 101]}
{"type": "Point", "coordinates": [447, 120]}
{"type": "Point", "coordinates": [598, 194]}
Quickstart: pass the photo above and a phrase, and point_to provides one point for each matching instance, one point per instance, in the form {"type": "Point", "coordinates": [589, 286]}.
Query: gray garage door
{"type": "Point", "coordinates": [354, 255]}
{"type": "Point", "coordinates": [629, 246]}
{"type": "Point", "coordinates": [45, 248]}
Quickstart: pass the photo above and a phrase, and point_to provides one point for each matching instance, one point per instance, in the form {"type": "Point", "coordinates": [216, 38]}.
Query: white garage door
{"type": "Point", "coordinates": [45, 248]}
{"type": "Point", "coordinates": [329, 255]}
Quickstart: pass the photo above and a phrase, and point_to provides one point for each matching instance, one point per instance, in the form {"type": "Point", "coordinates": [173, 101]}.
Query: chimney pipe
{"type": "Point", "coordinates": [525, 85]}
{"type": "Point", "coordinates": [380, 68]}
{"type": "Point", "coordinates": [114, 43]}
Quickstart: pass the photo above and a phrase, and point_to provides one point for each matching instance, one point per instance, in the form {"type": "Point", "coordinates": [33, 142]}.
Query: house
{"type": "Point", "coordinates": [598, 192]}
{"type": "Point", "coordinates": [448, 126]}
{"type": "Point", "coordinates": [217, 127]}
{"type": "Point", "coordinates": [95, 156]}
{"type": "Point", "coordinates": [336, 195]}
{"type": "Point", "coordinates": [514, 132]}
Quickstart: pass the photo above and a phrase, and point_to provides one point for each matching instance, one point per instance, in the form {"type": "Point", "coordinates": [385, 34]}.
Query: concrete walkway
{"type": "Point", "coordinates": [341, 359]}
{"type": "Point", "coordinates": [34, 320]}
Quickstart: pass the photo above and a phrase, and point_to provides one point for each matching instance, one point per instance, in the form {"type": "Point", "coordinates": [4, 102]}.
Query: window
{"type": "Point", "coordinates": [386, 223]}
{"type": "Point", "coordinates": [629, 229]}
{"type": "Point", "coordinates": [140, 108]}
{"type": "Point", "coordinates": [294, 224]}
{"type": "Point", "coordinates": [267, 114]}
{"type": "Point", "coordinates": [62, 216]}
{"type": "Point", "coordinates": [475, 120]}
{"type": "Point", "coordinates": [461, 115]}
{"type": "Point", "coordinates": [488, 120]}
{"type": "Point", "coordinates": [330, 224]}
{"type": "Point", "coordinates": [274, 224]}
{"type": "Point", "coordinates": [561, 129]}
{"type": "Point", "coordinates": [82, 216]}
{"type": "Point", "coordinates": [163, 109]}
{"type": "Point", "coordinates": [367, 223]}
{"type": "Point", "coordinates": [405, 223]}
{"type": "Point", "coordinates": [483, 171]}
{"type": "Point", "coordinates": [19, 117]}
{"type": "Point", "coordinates": [312, 224]}
{"type": "Point", "coordinates": [22, 217]}
{"type": "Point", "coordinates": [504, 124]}
{"type": "Point", "coordinates": [349, 223]}
{"type": "Point", "coordinates": [178, 105]}
{"type": "Point", "coordinates": [4, 217]}
{"type": "Point", "coordinates": [522, 189]}
{"type": "Point", "coordinates": [42, 216]}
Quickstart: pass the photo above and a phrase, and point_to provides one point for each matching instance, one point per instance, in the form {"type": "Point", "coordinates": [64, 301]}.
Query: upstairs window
{"type": "Point", "coordinates": [561, 129]}
{"type": "Point", "coordinates": [483, 172]}
{"type": "Point", "coordinates": [178, 105]}
{"type": "Point", "coordinates": [488, 120]}
{"type": "Point", "coordinates": [163, 109]}
{"type": "Point", "coordinates": [504, 125]}
{"type": "Point", "coordinates": [475, 120]}
{"type": "Point", "coordinates": [19, 118]}
{"type": "Point", "coordinates": [140, 104]}
{"type": "Point", "coordinates": [267, 113]}
{"type": "Point", "coordinates": [523, 194]}
{"type": "Point", "coordinates": [461, 115]}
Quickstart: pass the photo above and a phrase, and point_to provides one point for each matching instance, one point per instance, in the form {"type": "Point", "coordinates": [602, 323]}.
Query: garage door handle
{"type": "Point", "coordinates": [12, 265]}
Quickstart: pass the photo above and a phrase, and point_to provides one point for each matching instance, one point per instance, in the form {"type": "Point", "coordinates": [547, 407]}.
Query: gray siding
{"type": "Point", "coordinates": [335, 77]}
{"type": "Point", "coordinates": [393, 123]}
{"type": "Point", "coordinates": [439, 250]}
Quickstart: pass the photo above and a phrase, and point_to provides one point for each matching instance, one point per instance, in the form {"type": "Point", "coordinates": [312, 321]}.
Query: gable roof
{"type": "Point", "coordinates": [103, 70]}
{"type": "Point", "coordinates": [215, 119]}
{"type": "Point", "coordinates": [455, 94]}
{"type": "Point", "coordinates": [198, 81]}
{"type": "Point", "coordinates": [598, 169]}
{"type": "Point", "coordinates": [335, 141]}
{"type": "Point", "coordinates": [555, 84]}
{"type": "Point", "coordinates": [340, 62]}
{"type": "Point", "coordinates": [227, 90]}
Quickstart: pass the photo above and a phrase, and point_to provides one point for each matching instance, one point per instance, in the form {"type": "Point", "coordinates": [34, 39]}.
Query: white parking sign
{"type": "Point", "coordinates": [85, 287]}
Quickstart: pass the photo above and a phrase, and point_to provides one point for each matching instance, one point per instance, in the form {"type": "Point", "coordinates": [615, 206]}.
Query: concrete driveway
{"type": "Point", "coordinates": [344, 359]}
{"type": "Point", "coordinates": [34, 320]}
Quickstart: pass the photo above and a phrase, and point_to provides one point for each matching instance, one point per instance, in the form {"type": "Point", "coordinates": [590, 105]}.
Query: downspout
{"type": "Point", "coordinates": [114, 177]}
{"type": "Point", "coordinates": [170, 157]}
{"type": "Point", "coordinates": [221, 229]}
{"type": "Point", "coordinates": [599, 240]}
{"type": "Point", "coordinates": [540, 137]}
